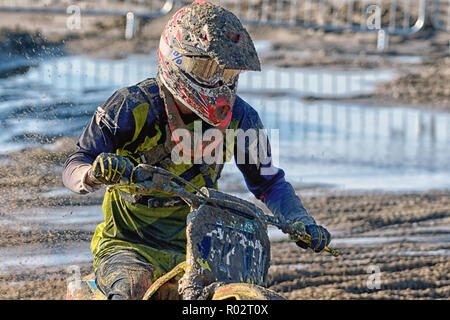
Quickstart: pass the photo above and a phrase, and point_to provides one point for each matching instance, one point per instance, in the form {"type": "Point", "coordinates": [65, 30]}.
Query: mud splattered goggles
{"type": "Point", "coordinates": [203, 69]}
{"type": "Point", "coordinates": [208, 70]}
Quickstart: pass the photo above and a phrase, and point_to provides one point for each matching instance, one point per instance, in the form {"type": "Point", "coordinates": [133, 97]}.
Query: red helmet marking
{"type": "Point", "coordinates": [176, 15]}
{"type": "Point", "coordinates": [235, 37]}
{"type": "Point", "coordinates": [178, 36]}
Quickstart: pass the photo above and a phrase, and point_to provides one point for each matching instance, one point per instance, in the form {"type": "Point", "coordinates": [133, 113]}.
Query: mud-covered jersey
{"type": "Point", "coordinates": [133, 121]}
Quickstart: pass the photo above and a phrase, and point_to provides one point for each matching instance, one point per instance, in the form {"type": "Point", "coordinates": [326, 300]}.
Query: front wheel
{"type": "Point", "coordinates": [244, 291]}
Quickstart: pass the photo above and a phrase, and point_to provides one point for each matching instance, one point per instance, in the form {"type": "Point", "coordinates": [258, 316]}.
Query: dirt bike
{"type": "Point", "coordinates": [228, 248]}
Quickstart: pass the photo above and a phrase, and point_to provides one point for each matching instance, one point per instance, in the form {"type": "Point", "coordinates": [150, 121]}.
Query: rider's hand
{"type": "Point", "coordinates": [110, 168]}
{"type": "Point", "coordinates": [320, 237]}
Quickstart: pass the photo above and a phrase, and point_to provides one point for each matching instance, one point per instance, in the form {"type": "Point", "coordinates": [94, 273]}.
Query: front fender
{"type": "Point", "coordinates": [244, 291]}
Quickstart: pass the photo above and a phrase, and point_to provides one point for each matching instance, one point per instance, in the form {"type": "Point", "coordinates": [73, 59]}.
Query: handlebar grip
{"type": "Point", "coordinates": [333, 252]}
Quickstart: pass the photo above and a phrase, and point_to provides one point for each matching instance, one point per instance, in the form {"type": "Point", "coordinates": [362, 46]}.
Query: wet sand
{"type": "Point", "coordinates": [403, 236]}
{"type": "Point", "coordinates": [406, 236]}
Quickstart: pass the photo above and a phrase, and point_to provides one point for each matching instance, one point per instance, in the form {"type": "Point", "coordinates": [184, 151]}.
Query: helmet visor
{"type": "Point", "coordinates": [208, 70]}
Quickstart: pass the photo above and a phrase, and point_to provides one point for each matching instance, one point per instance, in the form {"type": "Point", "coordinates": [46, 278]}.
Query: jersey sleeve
{"type": "Point", "coordinates": [253, 157]}
{"type": "Point", "coordinates": [110, 126]}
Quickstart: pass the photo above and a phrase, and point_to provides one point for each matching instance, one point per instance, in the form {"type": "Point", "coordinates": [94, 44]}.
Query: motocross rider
{"type": "Point", "coordinates": [202, 51]}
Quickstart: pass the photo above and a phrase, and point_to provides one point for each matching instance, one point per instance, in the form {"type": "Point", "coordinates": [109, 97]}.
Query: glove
{"type": "Point", "coordinates": [320, 236]}
{"type": "Point", "coordinates": [110, 168]}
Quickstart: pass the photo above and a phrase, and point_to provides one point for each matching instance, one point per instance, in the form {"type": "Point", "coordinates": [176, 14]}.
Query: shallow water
{"type": "Point", "coordinates": [335, 143]}
{"type": "Point", "coordinates": [84, 218]}
{"type": "Point", "coordinates": [28, 257]}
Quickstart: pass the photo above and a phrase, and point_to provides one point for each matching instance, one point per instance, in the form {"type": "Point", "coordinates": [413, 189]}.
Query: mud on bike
{"type": "Point", "coordinates": [227, 250]}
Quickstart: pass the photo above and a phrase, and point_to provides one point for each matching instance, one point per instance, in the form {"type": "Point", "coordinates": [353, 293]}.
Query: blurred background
{"type": "Point", "coordinates": [355, 92]}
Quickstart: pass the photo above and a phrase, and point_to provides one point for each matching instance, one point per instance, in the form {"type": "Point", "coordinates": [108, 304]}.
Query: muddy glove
{"type": "Point", "coordinates": [110, 168]}
{"type": "Point", "coordinates": [320, 236]}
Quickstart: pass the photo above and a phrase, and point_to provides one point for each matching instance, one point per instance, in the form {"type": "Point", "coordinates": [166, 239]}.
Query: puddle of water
{"type": "Point", "coordinates": [84, 218]}
{"type": "Point", "coordinates": [407, 59]}
{"type": "Point", "coordinates": [298, 82]}
{"type": "Point", "coordinates": [355, 147]}
{"type": "Point", "coordinates": [432, 229]}
{"type": "Point", "coordinates": [19, 259]}
{"type": "Point", "coordinates": [440, 252]}
{"type": "Point", "coordinates": [380, 240]}
{"type": "Point", "coordinates": [338, 144]}
{"type": "Point", "coordinates": [289, 267]}
{"type": "Point", "coordinates": [57, 193]}
{"type": "Point", "coordinates": [58, 97]}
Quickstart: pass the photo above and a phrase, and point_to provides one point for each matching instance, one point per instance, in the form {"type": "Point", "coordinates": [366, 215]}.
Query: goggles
{"type": "Point", "coordinates": [208, 70]}
{"type": "Point", "coordinates": [203, 69]}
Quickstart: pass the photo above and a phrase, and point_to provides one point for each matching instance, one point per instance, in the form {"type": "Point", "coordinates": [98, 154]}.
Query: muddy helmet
{"type": "Point", "coordinates": [202, 50]}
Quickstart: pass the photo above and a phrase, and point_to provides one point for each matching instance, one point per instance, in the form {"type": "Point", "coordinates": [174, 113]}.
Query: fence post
{"type": "Point", "coordinates": [129, 25]}
{"type": "Point", "coordinates": [382, 40]}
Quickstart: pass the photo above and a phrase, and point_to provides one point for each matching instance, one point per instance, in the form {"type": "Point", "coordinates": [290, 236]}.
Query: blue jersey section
{"type": "Point", "coordinates": [266, 182]}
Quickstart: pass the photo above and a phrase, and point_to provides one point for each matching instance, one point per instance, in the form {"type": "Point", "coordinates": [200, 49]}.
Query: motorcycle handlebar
{"type": "Point", "coordinates": [147, 178]}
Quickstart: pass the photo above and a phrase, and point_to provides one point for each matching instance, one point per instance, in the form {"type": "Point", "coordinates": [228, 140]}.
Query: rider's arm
{"type": "Point", "coordinates": [109, 128]}
{"type": "Point", "coordinates": [264, 180]}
